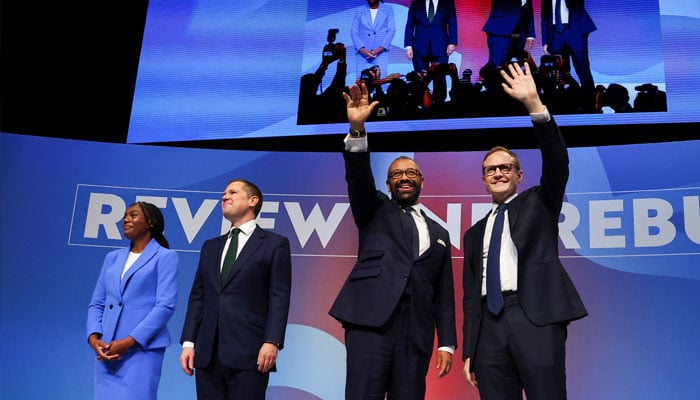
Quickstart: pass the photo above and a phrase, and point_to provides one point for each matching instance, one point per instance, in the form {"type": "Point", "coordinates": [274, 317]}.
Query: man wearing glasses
{"type": "Point", "coordinates": [401, 289]}
{"type": "Point", "coordinates": [518, 299]}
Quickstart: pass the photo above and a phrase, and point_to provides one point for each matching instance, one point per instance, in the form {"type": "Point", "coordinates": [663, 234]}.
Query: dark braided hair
{"type": "Point", "coordinates": [155, 221]}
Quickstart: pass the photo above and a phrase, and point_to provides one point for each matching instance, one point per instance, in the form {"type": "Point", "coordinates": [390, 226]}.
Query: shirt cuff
{"type": "Point", "coordinates": [541, 118]}
{"type": "Point", "coordinates": [449, 349]}
{"type": "Point", "coordinates": [188, 345]}
{"type": "Point", "coordinates": [355, 145]}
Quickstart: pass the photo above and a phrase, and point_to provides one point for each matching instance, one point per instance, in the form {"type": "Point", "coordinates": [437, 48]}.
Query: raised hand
{"type": "Point", "coordinates": [519, 84]}
{"type": "Point", "coordinates": [358, 106]}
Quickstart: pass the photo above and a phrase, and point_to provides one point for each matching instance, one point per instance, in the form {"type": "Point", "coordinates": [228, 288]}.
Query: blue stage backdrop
{"type": "Point", "coordinates": [630, 239]}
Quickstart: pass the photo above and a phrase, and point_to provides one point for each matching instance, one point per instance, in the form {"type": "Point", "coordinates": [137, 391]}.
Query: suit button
{"type": "Point", "coordinates": [405, 278]}
{"type": "Point", "coordinates": [120, 304]}
{"type": "Point", "coordinates": [110, 306]}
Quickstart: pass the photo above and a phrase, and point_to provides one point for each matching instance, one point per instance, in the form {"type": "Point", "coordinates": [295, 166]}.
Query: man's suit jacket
{"type": "Point", "coordinates": [428, 38]}
{"type": "Point", "coordinates": [505, 16]}
{"type": "Point", "coordinates": [249, 309]}
{"type": "Point", "coordinates": [385, 265]}
{"type": "Point", "coordinates": [579, 20]}
{"type": "Point", "coordinates": [139, 305]}
{"type": "Point", "coordinates": [545, 291]}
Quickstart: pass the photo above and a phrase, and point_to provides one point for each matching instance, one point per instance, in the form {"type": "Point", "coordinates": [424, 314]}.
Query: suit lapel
{"type": "Point", "coordinates": [366, 17]}
{"type": "Point", "coordinates": [514, 211]}
{"type": "Point", "coordinates": [215, 271]}
{"type": "Point", "coordinates": [147, 254]}
{"type": "Point", "coordinates": [381, 17]}
{"type": "Point", "coordinates": [115, 270]}
{"type": "Point", "coordinates": [478, 245]}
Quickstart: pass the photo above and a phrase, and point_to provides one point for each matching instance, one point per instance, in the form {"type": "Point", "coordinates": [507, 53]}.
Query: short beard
{"type": "Point", "coordinates": [405, 201]}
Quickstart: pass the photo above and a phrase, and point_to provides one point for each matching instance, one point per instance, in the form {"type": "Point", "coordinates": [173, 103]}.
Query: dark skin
{"type": "Point", "coordinates": [405, 190]}
{"type": "Point", "coordinates": [136, 228]}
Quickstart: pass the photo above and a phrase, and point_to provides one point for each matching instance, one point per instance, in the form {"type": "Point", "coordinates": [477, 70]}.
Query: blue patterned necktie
{"type": "Point", "coordinates": [431, 11]}
{"type": "Point", "coordinates": [230, 255]}
{"type": "Point", "coordinates": [494, 297]}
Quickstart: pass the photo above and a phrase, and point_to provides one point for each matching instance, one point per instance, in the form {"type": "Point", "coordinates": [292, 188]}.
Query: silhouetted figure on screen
{"type": "Point", "coordinates": [617, 97]}
{"type": "Point", "coordinates": [374, 81]}
{"type": "Point", "coordinates": [649, 98]}
{"type": "Point", "coordinates": [493, 101]}
{"type": "Point", "coordinates": [316, 105]}
{"type": "Point", "coordinates": [558, 89]}
{"type": "Point", "coordinates": [463, 94]}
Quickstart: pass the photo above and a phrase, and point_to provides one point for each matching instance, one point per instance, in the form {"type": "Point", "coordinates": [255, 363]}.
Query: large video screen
{"type": "Point", "coordinates": [213, 69]}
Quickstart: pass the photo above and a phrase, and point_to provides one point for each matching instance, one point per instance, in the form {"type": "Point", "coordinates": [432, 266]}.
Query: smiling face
{"type": "Point", "coordinates": [237, 205]}
{"type": "Point", "coordinates": [406, 183]}
{"type": "Point", "coordinates": [500, 184]}
{"type": "Point", "coordinates": [134, 224]}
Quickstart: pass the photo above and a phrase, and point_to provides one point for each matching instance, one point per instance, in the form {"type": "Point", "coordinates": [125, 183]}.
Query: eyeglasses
{"type": "Point", "coordinates": [410, 173]}
{"type": "Point", "coordinates": [491, 169]}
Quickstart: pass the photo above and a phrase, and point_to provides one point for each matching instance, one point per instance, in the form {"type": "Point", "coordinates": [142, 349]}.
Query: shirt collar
{"type": "Point", "coordinates": [247, 227]}
{"type": "Point", "coordinates": [494, 205]}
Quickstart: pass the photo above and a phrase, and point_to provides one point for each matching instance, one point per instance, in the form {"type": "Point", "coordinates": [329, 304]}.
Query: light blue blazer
{"type": "Point", "coordinates": [372, 35]}
{"type": "Point", "coordinates": [139, 305]}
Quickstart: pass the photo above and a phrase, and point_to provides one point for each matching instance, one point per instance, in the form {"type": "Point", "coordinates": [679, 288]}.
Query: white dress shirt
{"type": "Point", "coordinates": [509, 254]}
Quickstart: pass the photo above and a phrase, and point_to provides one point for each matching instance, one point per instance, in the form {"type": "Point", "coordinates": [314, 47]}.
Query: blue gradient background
{"type": "Point", "coordinates": [639, 341]}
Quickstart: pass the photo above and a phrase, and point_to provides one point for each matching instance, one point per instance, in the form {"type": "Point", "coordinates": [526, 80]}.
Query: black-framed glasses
{"type": "Point", "coordinates": [398, 173]}
{"type": "Point", "coordinates": [491, 169]}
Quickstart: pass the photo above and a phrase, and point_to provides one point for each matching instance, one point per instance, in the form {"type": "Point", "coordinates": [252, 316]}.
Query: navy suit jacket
{"type": "Point", "coordinates": [505, 16]}
{"type": "Point", "coordinates": [579, 20]}
{"type": "Point", "coordinates": [545, 291]}
{"type": "Point", "coordinates": [428, 38]}
{"type": "Point", "coordinates": [385, 264]}
{"type": "Point", "coordinates": [249, 309]}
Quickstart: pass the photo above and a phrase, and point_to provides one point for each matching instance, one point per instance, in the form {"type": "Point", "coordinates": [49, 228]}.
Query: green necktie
{"type": "Point", "coordinates": [230, 255]}
{"type": "Point", "coordinates": [431, 11]}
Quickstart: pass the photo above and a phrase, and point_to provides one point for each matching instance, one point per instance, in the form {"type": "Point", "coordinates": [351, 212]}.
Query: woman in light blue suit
{"type": "Point", "coordinates": [372, 31]}
{"type": "Point", "coordinates": [132, 302]}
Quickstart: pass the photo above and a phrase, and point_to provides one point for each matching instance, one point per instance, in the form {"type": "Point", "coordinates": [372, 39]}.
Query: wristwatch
{"type": "Point", "coordinates": [357, 134]}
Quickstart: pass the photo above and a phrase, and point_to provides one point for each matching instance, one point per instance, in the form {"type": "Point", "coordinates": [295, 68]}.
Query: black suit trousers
{"type": "Point", "coordinates": [384, 362]}
{"type": "Point", "coordinates": [514, 354]}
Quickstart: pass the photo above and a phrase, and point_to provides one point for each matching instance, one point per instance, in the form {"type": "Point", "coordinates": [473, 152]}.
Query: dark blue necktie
{"type": "Point", "coordinates": [557, 16]}
{"type": "Point", "coordinates": [415, 243]}
{"type": "Point", "coordinates": [494, 297]}
{"type": "Point", "coordinates": [230, 255]}
{"type": "Point", "coordinates": [431, 11]}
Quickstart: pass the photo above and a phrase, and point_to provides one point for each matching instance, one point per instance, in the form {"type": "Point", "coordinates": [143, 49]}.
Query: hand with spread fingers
{"type": "Point", "coordinates": [520, 85]}
{"type": "Point", "coordinates": [358, 106]}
